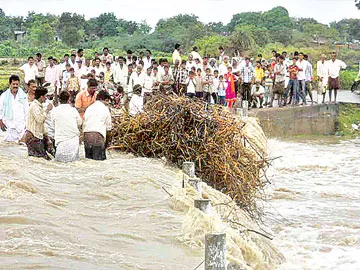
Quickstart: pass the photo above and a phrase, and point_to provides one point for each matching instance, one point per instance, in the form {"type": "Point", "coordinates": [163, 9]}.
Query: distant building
{"type": "Point", "coordinates": [19, 35]}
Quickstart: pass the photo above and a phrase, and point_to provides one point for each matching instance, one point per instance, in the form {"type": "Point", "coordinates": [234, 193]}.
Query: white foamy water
{"type": "Point", "coordinates": [315, 200]}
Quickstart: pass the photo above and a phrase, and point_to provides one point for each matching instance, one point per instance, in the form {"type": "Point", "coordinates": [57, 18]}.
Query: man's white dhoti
{"type": "Point", "coordinates": [67, 151]}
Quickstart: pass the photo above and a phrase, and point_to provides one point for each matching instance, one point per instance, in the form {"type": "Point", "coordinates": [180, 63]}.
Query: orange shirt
{"type": "Point", "coordinates": [84, 100]}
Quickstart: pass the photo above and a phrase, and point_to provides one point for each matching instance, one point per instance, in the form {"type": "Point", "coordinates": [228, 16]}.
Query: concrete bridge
{"type": "Point", "coordinates": [317, 119]}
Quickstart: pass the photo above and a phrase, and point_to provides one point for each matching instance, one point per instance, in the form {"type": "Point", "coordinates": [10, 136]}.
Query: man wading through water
{"type": "Point", "coordinates": [97, 123]}
{"type": "Point", "coordinates": [36, 137]}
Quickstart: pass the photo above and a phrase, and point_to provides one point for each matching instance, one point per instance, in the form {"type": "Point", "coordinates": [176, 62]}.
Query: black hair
{"type": "Point", "coordinates": [31, 81]}
{"type": "Point", "coordinates": [92, 82]}
{"type": "Point", "coordinates": [259, 55]}
{"type": "Point", "coordinates": [148, 51]}
{"type": "Point", "coordinates": [221, 48]}
{"type": "Point", "coordinates": [129, 52]}
{"type": "Point", "coordinates": [38, 54]}
{"type": "Point", "coordinates": [50, 58]}
{"type": "Point", "coordinates": [177, 46]}
{"type": "Point", "coordinates": [120, 89]}
{"type": "Point", "coordinates": [282, 57]}
{"type": "Point", "coordinates": [66, 54]}
{"type": "Point", "coordinates": [14, 78]}
{"type": "Point", "coordinates": [73, 55]}
{"type": "Point", "coordinates": [80, 50]}
{"type": "Point", "coordinates": [191, 73]}
{"type": "Point", "coordinates": [64, 97]}
{"type": "Point", "coordinates": [30, 57]}
{"type": "Point", "coordinates": [103, 95]}
{"type": "Point", "coordinates": [40, 91]}
{"type": "Point", "coordinates": [105, 48]}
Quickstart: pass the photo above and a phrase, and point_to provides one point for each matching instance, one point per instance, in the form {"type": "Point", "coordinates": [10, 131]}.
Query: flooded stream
{"type": "Point", "coordinates": [315, 203]}
{"type": "Point", "coordinates": [115, 215]}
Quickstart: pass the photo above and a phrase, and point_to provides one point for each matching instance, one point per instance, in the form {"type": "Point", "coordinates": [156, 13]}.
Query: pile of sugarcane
{"type": "Point", "coordinates": [181, 129]}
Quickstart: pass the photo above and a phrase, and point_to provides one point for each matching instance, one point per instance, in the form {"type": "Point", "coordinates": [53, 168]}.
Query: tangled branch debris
{"type": "Point", "coordinates": [181, 129]}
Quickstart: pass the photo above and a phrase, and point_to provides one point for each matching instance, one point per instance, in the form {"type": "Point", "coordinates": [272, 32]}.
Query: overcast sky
{"type": "Point", "coordinates": [325, 11]}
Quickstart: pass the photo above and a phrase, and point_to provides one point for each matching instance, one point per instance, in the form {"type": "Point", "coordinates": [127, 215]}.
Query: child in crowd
{"type": "Point", "coordinates": [216, 85]}
{"type": "Point", "coordinates": [222, 86]}
{"type": "Point", "coordinates": [191, 85]}
{"type": "Point", "coordinates": [207, 83]}
{"type": "Point", "coordinates": [117, 97]}
{"type": "Point", "coordinates": [65, 76]}
{"type": "Point", "coordinates": [73, 86]}
{"type": "Point", "coordinates": [108, 74]}
{"type": "Point", "coordinates": [199, 88]}
{"type": "Point", "coordinates": [269, 82]}
{"type": "Point", "coordinates": [137, 101]}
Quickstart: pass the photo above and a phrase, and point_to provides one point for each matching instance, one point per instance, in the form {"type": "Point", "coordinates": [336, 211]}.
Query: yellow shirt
{"type": "Point", "coordinates": [259, 74]}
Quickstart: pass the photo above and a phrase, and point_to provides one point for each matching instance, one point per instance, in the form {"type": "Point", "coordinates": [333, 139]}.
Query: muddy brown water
{"type": "Point", "coordinates": [115, 215]}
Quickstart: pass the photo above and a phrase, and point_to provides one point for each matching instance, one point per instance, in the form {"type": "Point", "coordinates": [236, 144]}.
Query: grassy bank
{"type": "Point", "coordinates": [349, 114]}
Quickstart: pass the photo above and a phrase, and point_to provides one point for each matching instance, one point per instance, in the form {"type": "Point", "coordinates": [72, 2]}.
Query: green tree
{"type": "Point", "coordinates": [241, 40]}
{"type": "Point", "coordinates": [259, 34]}
{"type": "Point", "coordinates": [248, 18]}
{"type": "Point", "coordinates": [278, 22]}
{"type": "Point", "coordinates": [184, 29]}
{"type": "Point", "coordinates": [210, 45]}
{"type": "Point", "coordinates": [71, 28]}
{"type": "Point", "coordinates": [320, 31]}
{"type": "Point", "coordinates": [357, 3]}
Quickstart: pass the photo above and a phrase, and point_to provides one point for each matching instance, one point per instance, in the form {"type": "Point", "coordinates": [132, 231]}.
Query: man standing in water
{"type": "Point", "coordinates": [36, 137]}
{"type": "Point", "coordinates": [67, 122]}
{"type": "Point", "coordinates": [97, 123]}
{"type": "Point", "coordinates": [334, 67]}
{"type": "Point", "coordinates": [14, 108]}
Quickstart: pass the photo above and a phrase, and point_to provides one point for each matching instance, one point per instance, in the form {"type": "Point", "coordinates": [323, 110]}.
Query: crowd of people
{"type": "Point", "coordinates": [66, 101]}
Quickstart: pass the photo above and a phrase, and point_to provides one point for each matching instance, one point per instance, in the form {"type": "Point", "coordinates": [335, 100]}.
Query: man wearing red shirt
{"type": "Point", "coordinates": [293, 70]}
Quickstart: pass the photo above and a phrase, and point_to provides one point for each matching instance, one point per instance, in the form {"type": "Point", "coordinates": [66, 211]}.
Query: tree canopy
{"type": "Point", "coordinates": [245, 30]}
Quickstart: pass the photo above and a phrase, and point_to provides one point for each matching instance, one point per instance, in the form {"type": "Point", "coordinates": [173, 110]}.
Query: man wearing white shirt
{"type": "Point", "coordinates": [195, 54]}
{"type": "Point", "coordinates": [176, 54]}
{"type": "Point", "coordinates": [223, 68]}
{"type": "Point", "coordinates": [29, 69]}
{"type": "Point", "coordinates": [120, 71]}
{"type": "Point", "coordinates": [107, 55]}
{"type": "Point", "coordinates": [81, 73]}
{"type": "Point", "coordinates": [190, 63]}
{"type": "Point", "coordinates": [301, 63]}
{"type": "Point", "coordinates": [40, 64]}
{"type": "Point", "coordinates": [97, 123]}
{"type": "Point", "coordinates": [147, 60]}
{"type": "Point", "coordinates": [137, 77]}
{"type": "Point", "coordinates": [66, 122]}
{"type": "Point", "coordinates": [334, 67]}
{"type": "Point", "coordinates": [322, 73]}
{"type": "Point", "coordinates": [51, 72]}
{"type": "Point", "coordinates": [14, 108]}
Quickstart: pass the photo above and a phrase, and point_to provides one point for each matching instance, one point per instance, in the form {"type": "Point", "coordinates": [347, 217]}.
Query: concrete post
{"type": "Point", "coordinates": [203, 205]}
{"type": "Point", "coordinates": [245, 105]}
{"type": "Point", "coordinates": [215, 251]}
{"type": "Point", "coordinates": [189, 169]}
{"type": "Point", "coordinates": [196, 183]}
{"type": "Point", "coordinates": [240, 112]}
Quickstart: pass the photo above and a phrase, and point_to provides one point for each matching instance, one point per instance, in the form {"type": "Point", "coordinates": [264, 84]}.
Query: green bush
{"type": "Point", "coordinates": [347, 78]}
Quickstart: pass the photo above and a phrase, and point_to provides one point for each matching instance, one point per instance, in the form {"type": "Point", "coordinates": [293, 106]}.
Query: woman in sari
{"type": "Point", "coordinates": [230, 90]}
